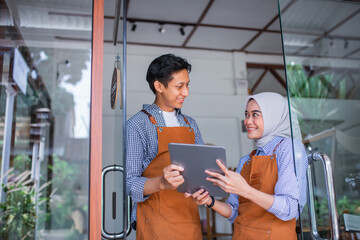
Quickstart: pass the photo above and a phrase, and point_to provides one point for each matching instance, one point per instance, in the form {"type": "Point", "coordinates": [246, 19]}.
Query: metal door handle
{"type": "Point", "coordinates": [113, 216]}
{"type": "Point", "coordinates": [333, 214]}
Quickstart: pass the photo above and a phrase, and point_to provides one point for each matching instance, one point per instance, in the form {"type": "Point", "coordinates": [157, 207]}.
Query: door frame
{"type": "Point", "coordinates": [95, 168]}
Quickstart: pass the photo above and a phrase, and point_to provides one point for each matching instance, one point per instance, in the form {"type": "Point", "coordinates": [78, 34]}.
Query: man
{"type": "Point", "coordinates": [160, 212]}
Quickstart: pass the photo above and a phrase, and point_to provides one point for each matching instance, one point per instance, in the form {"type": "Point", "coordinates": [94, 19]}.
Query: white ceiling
{"type": "Point", "coordinates": [248, 25]}
{"type": "Point", "coordinates": [320, 28]}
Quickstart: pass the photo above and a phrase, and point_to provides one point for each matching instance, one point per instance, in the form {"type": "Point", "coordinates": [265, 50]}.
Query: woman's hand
{"type": "Point", "coordinates": [231, 182]}
{"type": "Point", "coordinates": [172, 177]}
{"type": "Point", "coordinates": [200, 197]}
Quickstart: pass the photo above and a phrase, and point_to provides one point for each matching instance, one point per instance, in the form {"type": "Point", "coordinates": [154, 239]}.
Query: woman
{"type": "Point", "coordinates": [264, 192]}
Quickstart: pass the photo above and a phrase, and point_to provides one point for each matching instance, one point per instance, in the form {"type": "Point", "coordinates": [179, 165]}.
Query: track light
{"type": "Point", "coordinates": [133, 26]}
{"type": "Point", "coordinates": [181, 29]}
{"type": "Point", "coordinates": [161, 28]}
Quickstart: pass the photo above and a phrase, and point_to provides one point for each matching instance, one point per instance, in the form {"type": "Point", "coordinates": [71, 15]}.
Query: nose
{"type": "Point", "coordinates": [185, 91]}
{"type": "Point", "coordinates": [248, 121]}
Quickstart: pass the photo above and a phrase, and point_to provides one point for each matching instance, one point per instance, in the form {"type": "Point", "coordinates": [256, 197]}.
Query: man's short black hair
{"type": "Point", "coordinates": [163, 67]}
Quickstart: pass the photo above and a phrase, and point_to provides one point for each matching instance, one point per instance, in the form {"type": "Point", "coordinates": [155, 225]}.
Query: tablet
{"type": "Point", "coordinates": [195, 159]}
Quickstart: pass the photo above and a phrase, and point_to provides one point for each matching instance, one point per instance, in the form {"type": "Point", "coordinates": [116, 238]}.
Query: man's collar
{"type": "Point", "coordinates": [154, 107]}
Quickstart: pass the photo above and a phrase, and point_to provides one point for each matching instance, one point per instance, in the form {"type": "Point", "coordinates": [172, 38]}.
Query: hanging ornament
{"type": "Point", "coordinates": [116, 83]}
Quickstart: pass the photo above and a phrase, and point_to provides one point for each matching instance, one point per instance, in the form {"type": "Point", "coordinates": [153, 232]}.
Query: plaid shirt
{"type": "Point", "coordinates": [290, 190]}
{"type": "Point", "coordinates": [142, 148]}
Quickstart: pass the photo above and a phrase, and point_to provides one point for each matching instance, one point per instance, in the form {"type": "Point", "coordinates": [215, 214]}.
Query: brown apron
{"type": "Point", "coordinates": [253, 221]}
{"type": "Point", "coordinates": [167, 214]}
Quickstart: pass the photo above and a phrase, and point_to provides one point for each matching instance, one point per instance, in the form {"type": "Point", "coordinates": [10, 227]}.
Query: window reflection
{"type": "Point", "coordinates": [45, 167]}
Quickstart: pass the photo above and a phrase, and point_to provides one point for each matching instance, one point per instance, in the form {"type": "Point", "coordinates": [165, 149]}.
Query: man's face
{"type": "Point", "coordinates": [173, 96]}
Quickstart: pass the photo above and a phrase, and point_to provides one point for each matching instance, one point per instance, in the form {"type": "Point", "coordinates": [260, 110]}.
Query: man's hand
{"type": "Point", "coordinates": [172, 177]}
{"type": "Point", "coordinates": [200, 197]}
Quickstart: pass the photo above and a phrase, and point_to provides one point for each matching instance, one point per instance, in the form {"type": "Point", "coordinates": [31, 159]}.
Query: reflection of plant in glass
{"type": "Point", "coordinates": [63, 201]}
{"type": "Point", "coordinates": [343, 205]}
{"type": "Point", "coordinates": [346, 205]}
{"type": "Point", "coordinates": [303, 85]}
{"type": "Point", "coordinates": [18, 216]}
{"type": "Point", "coordinates": [22, 162]}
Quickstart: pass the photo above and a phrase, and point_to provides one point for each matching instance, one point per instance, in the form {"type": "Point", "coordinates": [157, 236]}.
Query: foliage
{"type": "Point", "coordinates": [343, 205]}
{"type": "Point", "coordinates": [22, 162]}
{"type": "Point", "coordinates": [18, 216]}
{"type": "Point", "coordinates": [63, 201]}
{"type": "Point", "coordinates": [303, 86]}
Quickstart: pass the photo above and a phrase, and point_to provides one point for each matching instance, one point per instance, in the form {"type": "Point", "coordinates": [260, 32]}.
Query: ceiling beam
{"type": "Point", "coordinates": [265, 28]}
{"type": "Point", "coordinates": [258, 81]}
{"type": "Point", "coordinates": [325, 34]}
{"type": "Point", "coordinates": [278, 77]}
{"type": "Point", "coordinates": [351, 53]}
{"type": "Point", "coordinates": [262, 65]}
{"type": "Point", "coordinates": [208, 6]}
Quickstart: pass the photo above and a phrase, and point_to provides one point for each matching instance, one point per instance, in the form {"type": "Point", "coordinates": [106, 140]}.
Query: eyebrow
{"type": "Point", "coordinates": [258, 111]}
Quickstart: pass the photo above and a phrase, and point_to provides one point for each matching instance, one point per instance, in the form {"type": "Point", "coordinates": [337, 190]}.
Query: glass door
{"type": "Point", "coordinates": [116, 204]}
{"type": "Point", "coordinates": [45, 80]}
{"type": "Point", "coordinates": [321, 44]}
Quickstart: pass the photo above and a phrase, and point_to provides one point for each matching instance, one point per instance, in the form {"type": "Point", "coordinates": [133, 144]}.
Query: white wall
{"type": "Point", "coordinates": [217, 92]}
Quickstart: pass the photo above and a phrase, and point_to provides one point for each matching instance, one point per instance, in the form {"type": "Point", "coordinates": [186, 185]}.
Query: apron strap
{"type": "Point", "coordinates": [152, 119]}
{"type": "Point", "coordinates": [272, 156]}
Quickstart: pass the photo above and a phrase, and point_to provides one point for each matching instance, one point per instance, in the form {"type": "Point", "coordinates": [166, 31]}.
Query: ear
{"type": "Point", "coordinates": [158, 86]}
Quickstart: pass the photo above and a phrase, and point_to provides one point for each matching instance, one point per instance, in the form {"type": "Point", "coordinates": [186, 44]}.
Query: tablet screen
{"type": "Point", "coordinates": [195, 159]}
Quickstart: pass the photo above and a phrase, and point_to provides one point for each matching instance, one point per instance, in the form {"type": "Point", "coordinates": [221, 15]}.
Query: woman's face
{"type": "Point", "coordinates": [254, 120]}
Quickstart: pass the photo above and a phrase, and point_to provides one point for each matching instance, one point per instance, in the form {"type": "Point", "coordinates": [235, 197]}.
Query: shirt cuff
{"type": "Point", "coordinates": [137, 192]}
{"type": "Point", "coordinates": [234, 212]}
{"type": "Point", "coordinates": [278, 207]}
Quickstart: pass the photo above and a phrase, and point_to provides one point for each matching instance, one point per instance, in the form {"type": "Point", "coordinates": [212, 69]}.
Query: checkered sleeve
{"type": "Point", "coordinates": [134, 155]}
{"type": "Point", "coordinates": [198, 137]}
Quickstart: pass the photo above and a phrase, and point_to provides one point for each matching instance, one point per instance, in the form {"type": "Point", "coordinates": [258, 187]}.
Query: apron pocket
{"type": "Point", "coordinates": [250, 233]}
{"type": "Point", "coordinates": [175, 208]}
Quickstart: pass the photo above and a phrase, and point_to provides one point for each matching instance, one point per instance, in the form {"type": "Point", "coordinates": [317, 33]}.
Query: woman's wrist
{"type": "Point", "coordinates": [211, 203]}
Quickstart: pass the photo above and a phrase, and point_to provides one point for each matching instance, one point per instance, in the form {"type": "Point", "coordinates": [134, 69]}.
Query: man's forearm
{"type": "Point", "coordinates": [153, 185]}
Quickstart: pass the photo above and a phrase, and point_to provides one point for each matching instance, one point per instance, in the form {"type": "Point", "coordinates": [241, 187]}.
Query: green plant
{"type": "Point", "coordinates": [303, 86]}
{"type": "Point", "coordinates": [346, 205]}
{"type": "Point", "coordinates": [18, 218]}
{"type": "Point", "coordinates": [22, 162]}
{"type": "Point", "coordinates": [63, 201]}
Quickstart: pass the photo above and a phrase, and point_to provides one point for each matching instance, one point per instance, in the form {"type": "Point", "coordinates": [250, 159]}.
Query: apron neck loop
{"type": "Point", "coordinates": [152, 119]}
{"type": "Point", "coordinates": [273, 154]}
{"type": "Point", "coordinates": [187, 122]}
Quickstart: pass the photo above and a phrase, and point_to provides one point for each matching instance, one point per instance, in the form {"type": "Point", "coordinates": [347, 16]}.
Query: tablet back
{"type": "Point", "coordinates": [195, 159]}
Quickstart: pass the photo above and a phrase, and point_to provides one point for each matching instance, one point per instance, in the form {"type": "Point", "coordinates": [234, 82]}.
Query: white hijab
{"type": "Point", "coordinates": [274, 109]}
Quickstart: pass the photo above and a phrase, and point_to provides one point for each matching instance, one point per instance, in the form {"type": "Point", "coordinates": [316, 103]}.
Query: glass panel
{"type": "Point", "coordinates": [114, 198]}
{"type": "Point", "coordinates": [321, 46]}
{"type": "Point", "coordinates": [45, 71]}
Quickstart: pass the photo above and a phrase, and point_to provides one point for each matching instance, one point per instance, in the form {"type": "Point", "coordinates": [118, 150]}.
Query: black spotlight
{"type": "Point", "coordinates": [161, 28]}
{"type": "Point", "coordinates": [182, 31]}
{"type": "Point", "coordinates": [133, 26]}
